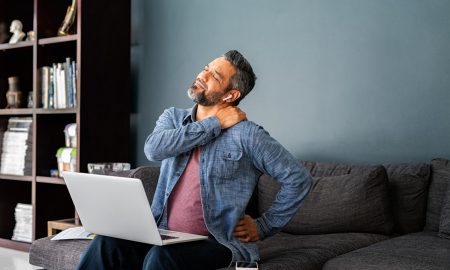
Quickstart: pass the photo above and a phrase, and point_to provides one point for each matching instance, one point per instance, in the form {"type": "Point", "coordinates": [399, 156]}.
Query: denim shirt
{"type": "Point", "coordinates": [231, 162]}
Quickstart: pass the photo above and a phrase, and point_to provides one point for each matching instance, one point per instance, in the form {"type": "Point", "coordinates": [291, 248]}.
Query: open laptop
{"type": "Point", "coordinates": [118, 207]}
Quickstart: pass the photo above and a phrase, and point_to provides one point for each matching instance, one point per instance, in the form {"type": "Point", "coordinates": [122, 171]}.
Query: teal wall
{"type": "Point", "coordinates": [346, 81]}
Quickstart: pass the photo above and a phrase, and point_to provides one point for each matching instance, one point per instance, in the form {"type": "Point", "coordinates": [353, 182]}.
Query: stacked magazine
{"type": "Point", "coordinates": [16, 147]}
{"type": "Point", "coordinates": [23, 230]}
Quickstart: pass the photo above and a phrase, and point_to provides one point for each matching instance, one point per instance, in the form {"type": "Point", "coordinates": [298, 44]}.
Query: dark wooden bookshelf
{"type": "Point", "coordinates": [99, 43]}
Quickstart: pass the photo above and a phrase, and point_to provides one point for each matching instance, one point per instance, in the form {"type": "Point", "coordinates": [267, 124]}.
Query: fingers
{"type": "Point", "coordinates": [246, 230]}
{"type": "Point", "coordinates": [230, 116]}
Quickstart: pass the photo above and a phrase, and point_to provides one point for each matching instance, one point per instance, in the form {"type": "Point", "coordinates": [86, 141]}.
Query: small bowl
{"type": "Point", "coordinates": [108, 166]}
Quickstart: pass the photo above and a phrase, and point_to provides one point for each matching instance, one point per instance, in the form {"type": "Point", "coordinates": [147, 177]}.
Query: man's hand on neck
{"type": "Point", "coordinates": [227, 114]}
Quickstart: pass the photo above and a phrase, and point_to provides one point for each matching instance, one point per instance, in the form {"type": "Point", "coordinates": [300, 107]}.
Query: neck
{"type": "Point", "coordinates": [204, 112]}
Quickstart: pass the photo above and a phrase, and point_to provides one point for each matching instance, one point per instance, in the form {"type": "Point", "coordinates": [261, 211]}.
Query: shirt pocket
{"type": "Point", "coordinates": [228, 165]}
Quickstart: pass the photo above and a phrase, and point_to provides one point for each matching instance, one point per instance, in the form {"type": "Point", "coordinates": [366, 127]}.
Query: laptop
{"type": "Point", "coordinates": [118, 207]}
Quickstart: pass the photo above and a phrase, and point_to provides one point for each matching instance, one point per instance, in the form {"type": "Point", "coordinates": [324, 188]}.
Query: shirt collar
{"type": "Point", "coordinates": [190, 117]}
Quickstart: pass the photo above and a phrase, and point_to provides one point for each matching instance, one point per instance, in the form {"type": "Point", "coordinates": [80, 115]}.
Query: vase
{"type": "Point", "coordinates": [13, 95]}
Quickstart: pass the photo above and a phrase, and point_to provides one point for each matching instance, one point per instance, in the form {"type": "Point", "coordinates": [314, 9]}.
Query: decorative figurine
{"type": "Point", "coordinates": [68, 20]}
{"type": "Point", "coordinates": [3, 34]}
{"type": "Point", "coordinates": [16, 29]}
{"type": "Point", "coordinates": [13, 95]}
{"type": "Point", "coordinates": [30, 36]}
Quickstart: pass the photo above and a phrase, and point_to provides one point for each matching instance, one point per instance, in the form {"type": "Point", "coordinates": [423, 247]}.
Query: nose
{"type": "Point", "coordinates": [204, 75]}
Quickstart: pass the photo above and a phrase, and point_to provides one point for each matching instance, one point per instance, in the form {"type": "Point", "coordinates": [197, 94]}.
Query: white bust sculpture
{"type": "Point", "coordinates": [16, 29]}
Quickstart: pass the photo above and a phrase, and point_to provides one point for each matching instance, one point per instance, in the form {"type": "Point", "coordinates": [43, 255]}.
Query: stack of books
{"type": "Point", "coordinates": [16, 147]}
{"type": "Point", "coordinates": [58, 85]}
{"type": "Point", "coordinates": [23, 230]}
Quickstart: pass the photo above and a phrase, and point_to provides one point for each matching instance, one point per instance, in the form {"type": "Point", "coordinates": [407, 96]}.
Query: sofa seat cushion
{"type": "Point", "coordinates": [417, 251]}
{"type": "Point", "coordinates": [287, 251]}
{"type": "Point", "coordinates": [62, 255]}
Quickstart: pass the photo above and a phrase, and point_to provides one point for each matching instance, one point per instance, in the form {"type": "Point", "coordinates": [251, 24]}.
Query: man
{"type": "Point", "coordinates": [211, 158]}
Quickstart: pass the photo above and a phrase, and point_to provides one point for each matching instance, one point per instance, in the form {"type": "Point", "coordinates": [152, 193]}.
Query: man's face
{"type": "Point", "coordinates": [212, 82]}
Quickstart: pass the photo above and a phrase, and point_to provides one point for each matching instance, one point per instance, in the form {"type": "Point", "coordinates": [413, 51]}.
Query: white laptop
{"type": "Point", "coordinates": [118, 207]}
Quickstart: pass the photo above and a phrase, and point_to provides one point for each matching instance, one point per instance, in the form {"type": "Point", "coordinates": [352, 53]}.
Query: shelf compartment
{"type": "Point", "coordinates": [55, 207]}
{"type": "Point", "coordinates": [51, 15]}
{"type": "Point", "coordinates": [56, 52]}
{"type": "Point", "coordinates": [16, 63]}
{"type": "Point", "coordinates": [17, 10]}
{"type": "Point", "coordinates": [49, 138]}
{"type": "Point", "coordinates": [50, 180]}
{"type": "Point", "coordinates": [12, 193]}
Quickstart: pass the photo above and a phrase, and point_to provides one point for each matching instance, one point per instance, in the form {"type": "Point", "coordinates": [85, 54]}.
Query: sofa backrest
{"type": "Point", "coordinates": [406, 191]}
{"type": "Point", "coordinates": [149, 176]}
{"type": "Point", "coordinates": [440, 179]}
{"type": "Point", "coordinates": [353, 202]}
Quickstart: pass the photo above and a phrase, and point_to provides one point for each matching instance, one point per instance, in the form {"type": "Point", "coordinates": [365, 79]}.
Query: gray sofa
{"type": "Point", "coordinates": [390, 216]}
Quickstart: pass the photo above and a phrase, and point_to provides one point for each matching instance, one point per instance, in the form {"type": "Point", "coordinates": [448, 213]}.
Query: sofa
{"type": "Point", "coordinates": [387, 216]}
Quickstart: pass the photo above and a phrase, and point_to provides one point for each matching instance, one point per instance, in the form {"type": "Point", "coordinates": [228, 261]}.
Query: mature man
{"type": "Point", "coordinates": [211, 158]}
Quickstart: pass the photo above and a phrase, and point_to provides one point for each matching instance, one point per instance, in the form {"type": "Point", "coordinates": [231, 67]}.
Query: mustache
{"type": "Point", "coordinates": [200, 83]}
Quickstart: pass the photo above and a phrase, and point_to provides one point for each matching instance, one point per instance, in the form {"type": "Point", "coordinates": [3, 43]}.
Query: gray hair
{"type": "Point", "coordinates": [244, 78]}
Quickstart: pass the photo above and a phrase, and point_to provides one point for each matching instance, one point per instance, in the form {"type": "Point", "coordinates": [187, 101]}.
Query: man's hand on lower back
{"type": "Point", "coordinates": [230, 116]}
{"type": "Point", "coordinates": [246, 230]}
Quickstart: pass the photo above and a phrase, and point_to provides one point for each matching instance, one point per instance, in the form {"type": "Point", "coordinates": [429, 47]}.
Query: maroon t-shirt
{"type": "Point", "coordinates": [184, 208]}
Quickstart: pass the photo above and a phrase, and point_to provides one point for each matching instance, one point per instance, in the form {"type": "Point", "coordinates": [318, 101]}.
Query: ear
{"type": "Point", "coordinates": [235, 95]}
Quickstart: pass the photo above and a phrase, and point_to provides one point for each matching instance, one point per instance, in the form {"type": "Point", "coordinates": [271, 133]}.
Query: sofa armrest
{"type": "Point", "coordinates": [149, 176]}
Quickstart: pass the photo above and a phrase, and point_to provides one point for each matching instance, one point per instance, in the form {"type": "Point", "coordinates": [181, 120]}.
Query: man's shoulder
{"type": "Point", "coordinates": [179, 110]}
{"type": "Point", "coordinates": [249, 127]}
{"type": "Point", "coordinates": [177, 113]}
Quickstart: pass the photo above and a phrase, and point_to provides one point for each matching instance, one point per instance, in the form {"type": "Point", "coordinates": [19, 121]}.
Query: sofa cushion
{"type": "Point", "coordinates": [408, 189]}
{"type": "Point", "coordinates": [444, 225]}
{"type": "Point", "coordinates": [440, 179]}
{"type": "Point", "coordinates": [309, 252]}
{"type": "Point", "coordinates": [423, 250]}
{"type": "Point", "coordinates": [287, 251]}
{"type": "Point", "coordinates": [149, 177]}
{"type": "Point", "coordinates": [408, 192]}
{"type": "Point", "coordinates": [61, 255]}
{"type": "Point", "coordinates": [356, 202]}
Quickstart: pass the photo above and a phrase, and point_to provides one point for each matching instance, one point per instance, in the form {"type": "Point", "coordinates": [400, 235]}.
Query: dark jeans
{"type": "Point", "coordinates": [111, 253]}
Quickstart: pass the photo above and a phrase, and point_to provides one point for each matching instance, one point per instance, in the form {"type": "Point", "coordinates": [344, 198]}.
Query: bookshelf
{"type": "Point", "coordinates": [100, 46]}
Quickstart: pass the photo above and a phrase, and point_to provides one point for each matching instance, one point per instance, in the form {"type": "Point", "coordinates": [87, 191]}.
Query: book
{"type": "Point", "coordinates": [57, 85]}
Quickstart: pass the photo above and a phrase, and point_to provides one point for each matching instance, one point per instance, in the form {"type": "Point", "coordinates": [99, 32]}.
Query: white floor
{"type": "Point", "coordinates": [14, 260]}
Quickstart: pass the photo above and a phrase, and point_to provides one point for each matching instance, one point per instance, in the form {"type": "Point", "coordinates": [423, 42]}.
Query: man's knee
{"type": "Point", "coordinates": [159, 257]}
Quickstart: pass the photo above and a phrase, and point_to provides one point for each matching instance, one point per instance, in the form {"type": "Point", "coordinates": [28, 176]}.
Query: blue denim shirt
{"type": "Point", "coordinates": [231, 162]}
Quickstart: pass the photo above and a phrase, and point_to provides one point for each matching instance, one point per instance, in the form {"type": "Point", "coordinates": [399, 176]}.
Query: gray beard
{"type": "Point", "coordinates": [201, 99]}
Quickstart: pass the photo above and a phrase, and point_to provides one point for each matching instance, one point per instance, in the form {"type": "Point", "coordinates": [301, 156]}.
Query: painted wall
{"type": "Point", "coordinates": [346, 81]}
